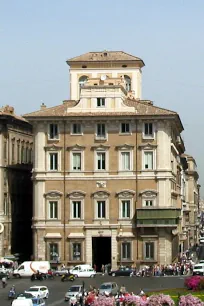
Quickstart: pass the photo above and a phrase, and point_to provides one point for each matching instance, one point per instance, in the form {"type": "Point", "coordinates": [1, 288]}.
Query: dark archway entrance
{"type": "Point", "coordinates": [101, 251]}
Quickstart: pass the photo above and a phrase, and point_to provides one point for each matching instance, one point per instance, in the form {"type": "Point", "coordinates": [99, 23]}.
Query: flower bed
{"type": "Point", "coordinates": [194, 282]}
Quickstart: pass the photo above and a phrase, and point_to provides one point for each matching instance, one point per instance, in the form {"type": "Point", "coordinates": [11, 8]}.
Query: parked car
{"type": "Point", "coordinates": [122, 272]}
{"type": "Point", "coordinates": [60, 272]}
{"type": "Point", "coordinates": [74, 291]}
{"type": "Point", "coordinates": [38, 302]}
{"type": "Point", "coordinates": [4, 274]}
{"type": "Point", "coordinates": [108, 288]}
{"type": "Point", "coordinates": [25, 295]}
{"type": "Point", "coordinates": [39, 291]}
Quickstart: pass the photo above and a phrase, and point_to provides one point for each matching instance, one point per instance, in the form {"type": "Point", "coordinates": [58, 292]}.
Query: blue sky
{"type": "Point", "coordinates": [36, 37]}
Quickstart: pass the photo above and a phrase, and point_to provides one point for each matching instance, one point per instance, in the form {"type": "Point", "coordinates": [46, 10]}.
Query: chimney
{"type": "Point", "coordinates": [43, 106]}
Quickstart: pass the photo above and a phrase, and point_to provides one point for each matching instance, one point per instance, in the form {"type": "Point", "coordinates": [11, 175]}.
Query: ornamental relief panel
{"type": "Point", "coordinates": [148, 194]}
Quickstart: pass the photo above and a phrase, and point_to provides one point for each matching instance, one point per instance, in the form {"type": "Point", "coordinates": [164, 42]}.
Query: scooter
{"type": "Point", "coordinates": [68, 277]}
{"type": "Point", "coordinates": [11, 294]}
{"type": "Point", "coordinates": [37, 277]}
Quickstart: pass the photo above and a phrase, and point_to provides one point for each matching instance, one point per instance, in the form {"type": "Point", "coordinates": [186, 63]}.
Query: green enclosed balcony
{"type": "Point", "coordinates": [149, 217]}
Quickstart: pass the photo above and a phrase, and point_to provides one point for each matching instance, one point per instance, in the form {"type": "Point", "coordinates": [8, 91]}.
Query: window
{"type": "Point", "coordinates": [76, 209]}
{"type": "Point", "coordinates": [18, 153]}
{"type": "Point", "coordinates": [54, 251]}
{"type": "Point", "coordinates": [101, 209]}
{"type": "Point", "coordinates": [125, 160]}
{"type": "Point", "coordinates": [76, 251]}
{"type": "Point", "coordinates": [53, 209]}
{"type": "Point", "coordinates": [148, 160]}
{"type": "Point", "coordinates": [22, 154]}
{"type": "Point", "coordinates": [127, 82]}
{"type": "Point", "coordinates": [82, 80]}
{"type": "Point", "coordinates": [101, 130]}
{"type": "Point", "coordinates": [148, 202]}
{"type": "Point", "coordinates": [5, 205]}
{"type": "Point", "coordinates": [13, 152]}
{"type": "Point", "coordinates": [53, 161]}
{"type": "Point", "coordinates": [126, 250]}
{"type": "Point", "coordinates": [101, 161]}
{"type": "Point", "coordinates": [100, 102]}
{"type": "Point", "coordinates": [53, 131]}
{"type": "Point", "coordinates": [125, 208]}
{"type": "Point", "coordinates": [76, 161]}
{"type": "Point", "coordinates": [148, 129]}
{"type": "Point", "coordinates": [125, 128]}
{"type": "Point", "coordinates": [149, 250]}
{"type": "Point", "coordinates": [76, 129]}
{"type": "Point", "coordinates": [5, 150]}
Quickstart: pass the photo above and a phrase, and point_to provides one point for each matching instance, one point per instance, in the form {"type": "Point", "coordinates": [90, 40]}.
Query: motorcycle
{"type": "Point", "coordinates": [67, 277]}
{"type": "Point", "coordinates": [11, 294]}
{"type": "Point", "coordinates": [37, 277]}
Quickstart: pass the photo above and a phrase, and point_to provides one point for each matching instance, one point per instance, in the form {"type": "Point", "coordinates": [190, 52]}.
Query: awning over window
{"type": "Point", "coordinates": [76, 235]}
{"type": "Point", "coordinates": [53, 235]}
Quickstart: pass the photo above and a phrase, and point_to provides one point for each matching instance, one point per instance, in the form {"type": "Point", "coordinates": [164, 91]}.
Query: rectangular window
{"type": "Point", "coordinates": [53, 210]}
{"type": "Point", "coordinates": [101, 161]}
{"type": "Point", "coordinates": [54, 251]}
{"type": "Point", "coordinates": [101, 130]}
{"type": "Point", "coordinates": [53, 161]}
{"type": "Point", "coordinates": [125, 156]}
{"type": "Point", "coordinates": [76, 209]}
{"type": "Point", "coordinates": [5, 150]}
{"type": "Point", "coordinates": [22, 155]}
{"type": "Point", "coordinates": [53, 131]}
{"type": "Point", "coordinates": [126, 251]}
{"type": "Point", "coordinates": [101, 209]}
{"type": "Point", "coordinates": [125, 208]}
{"type": "Point", "coordinates": [148, 160]}
{"type": "Point", "coordinates": [13, 152]}
{"type": "Point", "coordinates": [18, 153]}
{"type": "Point", "coordinates": [100, 102]}
{"type": "Point", "coordinates": [125, 128]}
{"type": "Point", "coordinates": [76, 251]}
{"type": "Point", "coordinates": [148, 203]}
{"type": "Point", "coordinates": [5, 205]}
{"type": "Point", "coordinates": [148, 129]}
{"type": "Point", "coordinates": [76, 161]}
{"type": "Point", "coordinates": [149, 250]}
{"type": "Point", "coordinates": [76, 128]}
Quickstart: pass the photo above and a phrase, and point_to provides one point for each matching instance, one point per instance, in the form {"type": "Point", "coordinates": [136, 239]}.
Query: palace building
{"type": "Point", "coordinates": [107, 169]}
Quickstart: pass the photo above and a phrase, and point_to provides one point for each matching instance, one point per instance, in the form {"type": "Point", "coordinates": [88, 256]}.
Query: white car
{"type": "Point", "coordinates": [87, 272]}
{"type": "Point", "coordinates": [39, 292]}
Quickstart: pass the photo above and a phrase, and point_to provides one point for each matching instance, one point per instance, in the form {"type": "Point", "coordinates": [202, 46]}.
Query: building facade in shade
{"type": "Point", "coordinates": [107, 169]}
{"type": "Point", "coordinates": [16, 143]}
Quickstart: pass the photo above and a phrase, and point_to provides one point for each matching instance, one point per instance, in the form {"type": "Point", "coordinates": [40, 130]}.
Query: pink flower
{"type": "Point", "coordinates": [189, 300]}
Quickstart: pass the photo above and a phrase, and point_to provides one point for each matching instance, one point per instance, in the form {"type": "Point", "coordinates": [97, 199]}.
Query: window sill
{"type": "Point", "coordinates": [76, 134]}
{"type": "Point", "coordinates": [102, 139]}
{"type": "Point", "coordinates": [125, 134]}
{"type": "Point", "coordinates": [148, 137]}
{"type": "Point", "coordinates": [53, 139]}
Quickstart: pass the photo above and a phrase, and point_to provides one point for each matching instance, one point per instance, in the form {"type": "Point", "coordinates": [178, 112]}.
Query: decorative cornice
{"type": "Point", "coordinates": [101, 194]}
{"type": "Point", "coordinates": [125, 147]}
{"type": "Point", "coordinates": [52, 147]}
{"type": "Point", "coordinates": [53, 194]}
{"type": "Point", "coordinates": [76, 147]}
{"type": "Point", "coordinates": [147, 146]}
{"type": "Point", "coordinates": [125, 193]}
{"type": "Point", "coordinates": [100, 147]}
{"type": "Point", "coordinates": [76, 194]}
{"type": "Point", "coordinates": [148, 192]}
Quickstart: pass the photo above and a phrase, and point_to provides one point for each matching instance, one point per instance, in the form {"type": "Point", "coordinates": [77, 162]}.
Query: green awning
{"type": "Point", "coordinates": [143, 214]}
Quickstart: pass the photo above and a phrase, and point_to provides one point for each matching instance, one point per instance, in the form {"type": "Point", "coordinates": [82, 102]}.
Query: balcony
{"type": "Point", "coordinates": [158, 217]}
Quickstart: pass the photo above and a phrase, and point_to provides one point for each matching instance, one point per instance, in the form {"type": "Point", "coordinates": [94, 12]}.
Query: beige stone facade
{"type": "Point", "coordinates": [16, 143]}
{"type": "Point", "coordinates": [107, 170]}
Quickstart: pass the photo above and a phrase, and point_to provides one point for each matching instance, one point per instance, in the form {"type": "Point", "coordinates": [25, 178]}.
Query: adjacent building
{"type": "Point", "coordinates": [16, 143]}
{"type": "Point", "coordinates": [107, 170]}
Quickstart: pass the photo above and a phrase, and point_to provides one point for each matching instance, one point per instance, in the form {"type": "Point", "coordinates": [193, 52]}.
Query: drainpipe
{"type": "Point", "coordinates": [64, 188]}
{"type": "Point", "coordinates": [136, 185]}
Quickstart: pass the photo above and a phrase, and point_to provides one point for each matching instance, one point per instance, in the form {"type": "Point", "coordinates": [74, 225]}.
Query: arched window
{"type": "Point", "coordinates": [127, 82]}
{"type": "Point", "coordinates": [82, 81]}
